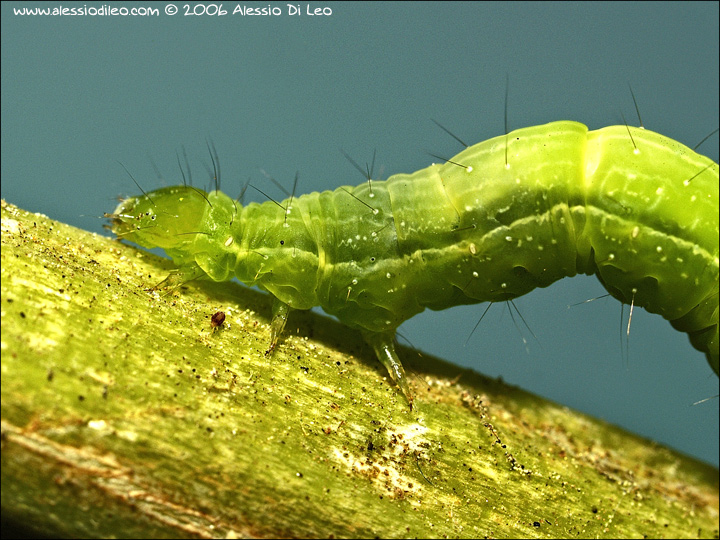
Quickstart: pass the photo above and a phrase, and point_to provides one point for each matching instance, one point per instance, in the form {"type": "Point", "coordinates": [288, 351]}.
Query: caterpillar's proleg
{"type": "Point", "coordinates": [384, 345]}
{"type": "Point", "coordinates": [280, 312]}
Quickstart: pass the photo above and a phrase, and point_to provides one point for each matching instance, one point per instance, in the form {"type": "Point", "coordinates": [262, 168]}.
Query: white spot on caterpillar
{"type": "Point", "coordinates": [229, 241]}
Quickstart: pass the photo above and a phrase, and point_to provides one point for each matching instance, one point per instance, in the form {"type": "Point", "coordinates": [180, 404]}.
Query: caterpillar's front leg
{"type": "Point", "coordinates": [178, 277]}
{"type": "Point", "coordinates": [384, 345]}
{"type": "Point", "coordinates": [280, 312]}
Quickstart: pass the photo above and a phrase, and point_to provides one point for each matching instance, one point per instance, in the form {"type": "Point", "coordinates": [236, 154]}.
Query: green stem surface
{"type": "Point", "coordinates": [125, 414]}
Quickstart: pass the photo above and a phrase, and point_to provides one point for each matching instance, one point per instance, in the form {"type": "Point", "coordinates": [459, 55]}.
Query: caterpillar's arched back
{"type": "Point", "coordinates": [505, 216]}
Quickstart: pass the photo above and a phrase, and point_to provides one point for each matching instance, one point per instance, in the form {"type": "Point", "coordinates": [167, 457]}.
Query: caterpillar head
{"type": "Point", "coordinates": [167, 218]}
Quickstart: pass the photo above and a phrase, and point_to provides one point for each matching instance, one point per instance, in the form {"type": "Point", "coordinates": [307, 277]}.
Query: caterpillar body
{"type": "Point", "coordinates": [633, 207]}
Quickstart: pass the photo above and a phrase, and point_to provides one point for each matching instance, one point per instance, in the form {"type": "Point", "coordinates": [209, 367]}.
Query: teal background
{"type": "Point", "coordinates": [284, 94]}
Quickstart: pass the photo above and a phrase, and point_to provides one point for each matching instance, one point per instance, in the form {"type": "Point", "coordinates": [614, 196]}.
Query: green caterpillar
{"type": "Point", "coordinates": [520, 211]}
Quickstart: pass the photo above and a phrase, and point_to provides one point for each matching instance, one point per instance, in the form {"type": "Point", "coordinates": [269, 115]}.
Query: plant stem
{"type": "Point", "coordinates": [125, 413]}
